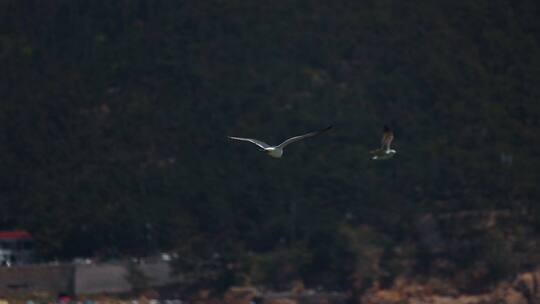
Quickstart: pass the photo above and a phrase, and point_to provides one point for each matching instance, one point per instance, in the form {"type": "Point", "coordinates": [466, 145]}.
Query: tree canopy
{"type": "Point", "coordinates": [115, 114]}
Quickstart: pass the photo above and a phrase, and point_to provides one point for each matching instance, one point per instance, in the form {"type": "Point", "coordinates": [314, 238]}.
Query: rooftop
{"type": "Point", "coordinates": [15, 235]}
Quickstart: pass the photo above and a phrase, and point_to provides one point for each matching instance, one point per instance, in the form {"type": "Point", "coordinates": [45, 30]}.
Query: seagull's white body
{"type": "Point", "coordinates": [277, 151]}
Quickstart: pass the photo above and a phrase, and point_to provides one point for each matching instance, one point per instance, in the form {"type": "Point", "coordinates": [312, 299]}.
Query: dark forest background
{"type": "Point", "coordinates": [114, 117]}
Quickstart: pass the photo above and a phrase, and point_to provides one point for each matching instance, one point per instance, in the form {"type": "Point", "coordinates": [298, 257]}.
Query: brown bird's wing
{"type": "Point", "coordinates": [386, 140]}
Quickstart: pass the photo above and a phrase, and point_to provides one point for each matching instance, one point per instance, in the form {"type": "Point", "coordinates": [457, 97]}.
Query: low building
{"type": "Point", "coordinates": [16, 248]}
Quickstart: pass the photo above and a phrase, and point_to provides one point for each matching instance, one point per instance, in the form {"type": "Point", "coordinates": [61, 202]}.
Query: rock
{"type": "Point", "coordinates": [528, 284]}
{"type": "Point", "coordinates": [280, 301]}
{"type": "Point", "coordinates": [513, 296]}
{"type": "Point", "coordinates": [404, 292]}
{"type": "Point", "coordinates": [433, 300]}
{"type": "Point", "coordinates": [204, 293]}
{"type": "Point", "coordinates": [311, 297]}
{"type": "Point", "coordinates": [298, 287]}
{"type": "Point", "coordinates": [240, 295]}
{"type": "Point", "coordinates": [383, 297]}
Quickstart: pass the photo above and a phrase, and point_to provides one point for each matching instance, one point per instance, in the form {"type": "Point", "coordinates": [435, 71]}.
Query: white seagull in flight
{"type": "Point", "coordinates": [277, 151]}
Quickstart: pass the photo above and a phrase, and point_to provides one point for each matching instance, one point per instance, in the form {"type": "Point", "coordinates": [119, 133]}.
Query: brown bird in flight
{"type": "Point", "coordinates": [385, 152]}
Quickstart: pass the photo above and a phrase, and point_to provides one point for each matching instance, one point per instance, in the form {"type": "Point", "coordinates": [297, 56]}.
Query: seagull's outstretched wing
{"type": "Point", "coordinates": [300, 137]}
{"type": "Point", "coordinates": [251, 140]}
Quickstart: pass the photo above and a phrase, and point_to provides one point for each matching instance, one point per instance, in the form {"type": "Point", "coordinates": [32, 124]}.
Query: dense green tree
{"type": "Point", "coordinates": [114, 119]}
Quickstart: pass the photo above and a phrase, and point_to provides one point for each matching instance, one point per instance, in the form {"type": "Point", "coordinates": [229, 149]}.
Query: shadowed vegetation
{"type": "Point", "coordinates": [114, 118]}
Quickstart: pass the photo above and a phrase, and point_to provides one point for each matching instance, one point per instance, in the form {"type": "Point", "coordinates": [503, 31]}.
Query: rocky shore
{"type": "Point", "coordinates": [523, 289]}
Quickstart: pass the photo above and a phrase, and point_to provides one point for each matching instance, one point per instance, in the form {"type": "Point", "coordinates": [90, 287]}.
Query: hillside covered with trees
{"type": "Point", "coordinates": [115, 115]}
